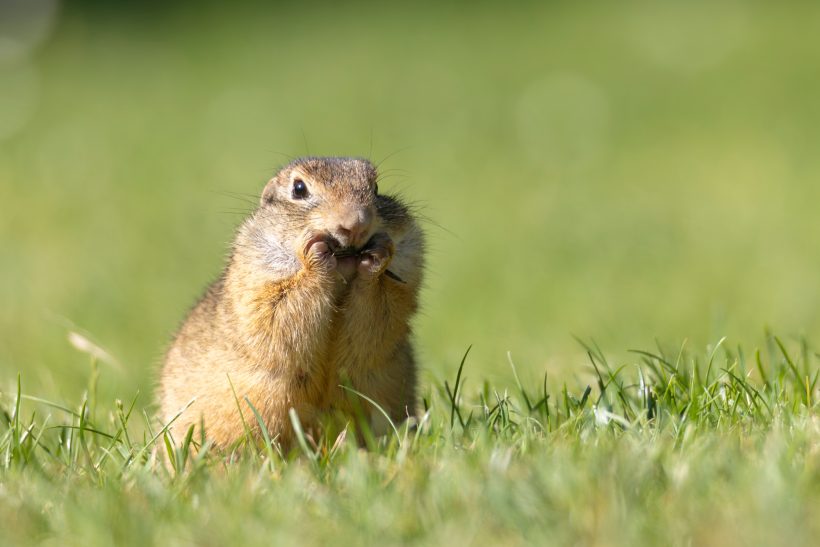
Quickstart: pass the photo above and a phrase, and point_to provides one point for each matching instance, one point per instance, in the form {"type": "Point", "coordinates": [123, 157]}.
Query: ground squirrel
{"type": "Point", "coordinates": [319, 290]}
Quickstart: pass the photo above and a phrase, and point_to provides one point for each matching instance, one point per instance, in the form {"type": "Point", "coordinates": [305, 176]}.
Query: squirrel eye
{"type": "Point", "coordinates": [300, 190]}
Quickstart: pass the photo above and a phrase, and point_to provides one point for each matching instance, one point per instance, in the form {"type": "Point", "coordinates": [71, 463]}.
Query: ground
{"type": "Point", "coordinates": [674, 449]}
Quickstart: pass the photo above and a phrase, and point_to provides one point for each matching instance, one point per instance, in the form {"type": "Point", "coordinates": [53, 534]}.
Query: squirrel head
{"type": "Point", "coordinates": [333, 196]}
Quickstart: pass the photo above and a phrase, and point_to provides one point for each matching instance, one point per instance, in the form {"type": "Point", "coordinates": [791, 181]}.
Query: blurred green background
{"type": "Point", "coordinates": [618, 171]}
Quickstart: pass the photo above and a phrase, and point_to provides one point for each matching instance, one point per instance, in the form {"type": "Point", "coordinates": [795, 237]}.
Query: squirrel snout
{"type": "Point", "coordinates": [351, 227]}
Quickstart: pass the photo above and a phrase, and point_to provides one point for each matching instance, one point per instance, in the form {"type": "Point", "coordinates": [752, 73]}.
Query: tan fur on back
{"type": "Point", "coordinates": [288, 322]}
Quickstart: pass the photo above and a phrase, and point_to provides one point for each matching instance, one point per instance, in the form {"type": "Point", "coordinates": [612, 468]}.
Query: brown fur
{"type": "Point", "coordinates": [287, 322]}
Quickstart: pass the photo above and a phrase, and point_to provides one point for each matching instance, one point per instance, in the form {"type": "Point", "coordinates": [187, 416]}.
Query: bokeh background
{"type": "Point", "coordinates": [627, 172]}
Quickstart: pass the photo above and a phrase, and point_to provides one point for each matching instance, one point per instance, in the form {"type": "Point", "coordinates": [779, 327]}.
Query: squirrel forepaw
{"type": "Point", "coordinates": [376, 256]}
{"type": "Point", "coordinates": [318, 254]}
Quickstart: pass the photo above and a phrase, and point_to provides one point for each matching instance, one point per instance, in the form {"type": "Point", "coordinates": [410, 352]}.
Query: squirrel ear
{"type": "Point", "coordinates": [268, 193]}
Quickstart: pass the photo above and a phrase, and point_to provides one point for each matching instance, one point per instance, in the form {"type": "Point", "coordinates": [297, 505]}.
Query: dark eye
{"type": "Point", "coordinates": [300, 190]}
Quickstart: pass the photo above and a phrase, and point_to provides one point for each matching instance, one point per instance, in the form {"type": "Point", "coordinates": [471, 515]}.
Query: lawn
{"type": "Point", "coordinates": [640, 177]}
{"type": "Point", "coordinates": [676, 449]}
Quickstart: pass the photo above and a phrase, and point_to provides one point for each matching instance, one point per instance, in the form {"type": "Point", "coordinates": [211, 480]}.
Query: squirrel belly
{"type": "Point", "coordinates": [289, 322]}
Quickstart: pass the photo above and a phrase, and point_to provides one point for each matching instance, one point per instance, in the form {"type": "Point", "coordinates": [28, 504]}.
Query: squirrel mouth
{"type": "Point", "coordinates": [344, 252]}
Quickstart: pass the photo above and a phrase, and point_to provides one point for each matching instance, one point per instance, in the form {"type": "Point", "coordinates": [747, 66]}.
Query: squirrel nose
{"type": "Point", "coordinates": [353, 225]}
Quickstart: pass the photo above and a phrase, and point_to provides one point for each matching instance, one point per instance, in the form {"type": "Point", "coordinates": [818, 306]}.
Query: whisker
{"type": "Point", "coordinates": [378, 164]}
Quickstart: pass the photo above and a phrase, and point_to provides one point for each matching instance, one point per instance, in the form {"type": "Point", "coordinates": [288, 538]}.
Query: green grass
{"type": "Point", "coordinates": [673, 448]}
{"type": "Point", "coordinates": [627, 171]}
